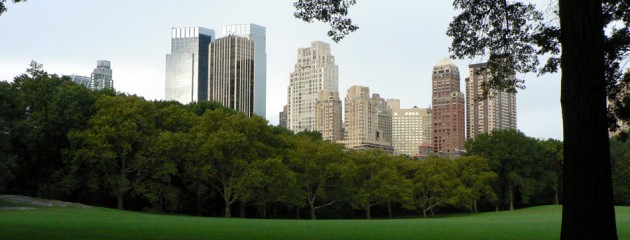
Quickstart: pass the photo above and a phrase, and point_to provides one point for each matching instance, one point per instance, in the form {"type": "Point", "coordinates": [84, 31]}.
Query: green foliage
{"type": "Point", "coordinates": [518, 160]}
{"type": "Point", "coordinates": [620, 156]}
{"type": "Point", "coordinates": [331, 12]}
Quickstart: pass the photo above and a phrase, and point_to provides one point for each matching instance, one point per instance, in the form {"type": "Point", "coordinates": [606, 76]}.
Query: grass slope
{"type": "Point", "coordinates": [101, 223]}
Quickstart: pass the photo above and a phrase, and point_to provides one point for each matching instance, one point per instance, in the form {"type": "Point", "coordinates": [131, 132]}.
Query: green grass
{"type": "Point", "coordinates": [99, 223]}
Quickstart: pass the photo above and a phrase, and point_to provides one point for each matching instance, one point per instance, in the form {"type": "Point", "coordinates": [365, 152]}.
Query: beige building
{"type": "Point", "coordinates": [498, 111]}
{"type": "Point", "coordinates": [367, 120]}
{"type": "Point", "coordinates": [314, 71]}
{"type": "Point", "coordinates": [328, 115]}
{"type": "Point", "coordinates": [448, 110]}
{"type": "Point", "coordinates": [231, 73]}
{"type": "Point", "coordinates": [411, 128]}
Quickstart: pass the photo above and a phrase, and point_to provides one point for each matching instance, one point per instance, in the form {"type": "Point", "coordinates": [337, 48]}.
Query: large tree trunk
{"type": "Point", "coordinates": [228, 209]}
{"type": "Point", "coordinates": [312, 205]}
{"type": "Point", "coordinates": [588, 211]}
{"type": "Point", "coordinates": [389, 208]}
{"type": "Point", "coordinates": [368, 212]}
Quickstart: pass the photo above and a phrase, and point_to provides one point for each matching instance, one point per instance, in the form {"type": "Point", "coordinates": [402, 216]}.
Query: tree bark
{"type": "Point", "coordinates": [389, 208]}
{"type": "Point", "coordinates": [121, 200]}
{"type": "Point", "coordinates": [228, 210]}
{"type": "Point", "coordinates": [243, 210]}
{"type": "Point", "coordinates": [588, 210]}
{"type": "Point", "coordinates": [368, 212]}
{"type": "Point", "coordinates": [511, 192]}
{"type": "Point", "coordinates": [312, 205]}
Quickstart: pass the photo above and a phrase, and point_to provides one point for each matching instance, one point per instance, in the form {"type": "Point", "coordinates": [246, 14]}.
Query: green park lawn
{"type": "Point", "coordinates": [100, 223]}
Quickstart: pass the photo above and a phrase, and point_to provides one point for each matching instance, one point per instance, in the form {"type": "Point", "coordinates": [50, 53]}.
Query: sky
{"type": "Point", "coordinates": [392, 53]}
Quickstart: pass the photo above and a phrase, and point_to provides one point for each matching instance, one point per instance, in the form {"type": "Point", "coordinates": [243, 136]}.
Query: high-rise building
{"type": "Point", "coordinates": [258, 35]}
{"type": "Point", "coordinates": [328, 115]}
{"type": "Point", "coordinates": [448, 109]}
{"type": "Point", "coordinates": [315, 70]}
{"type": "Point", "coordinates": [367, 120]}
{"type": "Point", "coordinates": [498, 111]}
{"type": "Point", "coordinates": [231, 73]}
{"type": "Point", "coordinates": [187, 64]}
{"type": "Point", "coordinates": [102, 76]}
{"type": "Point", "coordinates": [83, 80]}
{"type": "Point", "coordinates": [411, 128]}
{"type": "Point", "coordinates": [283, 117]}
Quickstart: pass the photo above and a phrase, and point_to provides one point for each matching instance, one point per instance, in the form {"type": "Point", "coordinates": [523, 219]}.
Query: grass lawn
{"type": "Point", "coordinates": [100, 223]}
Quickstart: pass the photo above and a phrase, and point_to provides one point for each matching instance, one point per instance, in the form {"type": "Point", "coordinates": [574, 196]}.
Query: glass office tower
{"type": "Point", "coordinates": [187, 65]}
{"type": "Point", "coordinates": [257, 34]}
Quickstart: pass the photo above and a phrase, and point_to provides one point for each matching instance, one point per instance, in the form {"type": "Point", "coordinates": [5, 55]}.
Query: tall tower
{"type": "Point", "coordinates": [231, 73]}
{"type": "Point", "coordinates": [328, 115]}
{"type": "Point", "coordinates": [258, 34]}
{"type": "Point", "coordinates": [187, 65]}
{"type": "Point", "coordinates": [496, 112]}
{"type": "Point", "coordinates": [315, 70]}
{"type": "Point", "coordinates": [102, 76]}
{"type": "Point", "coordinates": [448, 109]}
{"type": "Point", "coordinates": [368, 121]}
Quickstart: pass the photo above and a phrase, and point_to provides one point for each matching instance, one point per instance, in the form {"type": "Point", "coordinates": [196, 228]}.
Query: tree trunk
{"type": "Point", "coordinates": [228, 210]}
{"type": "Point", "coordinates": [368, 212]}
{"type": "Point", "coordinates": [389, 208]}
{"type": "Point", "coordinates": [556, 199]}
{"type": "Point", "coordinates": [121, 200]}
{"type": "Point", "coordinates": [511, 192]}
{"type": "Point", "coordinates": [242, 210]}
{"type": "Point", "coordinates": [198, 204]}
{"type": "Point", "coordinates": [297, 212]}
{"type": "Point", "coordinates": [475, 206]}
{"type": "Point", "coordinates": [312, 205]}
{"type": "Point", "coordinates": [424, 212]}
{"type": "Point", "coordinates": [588, 210]}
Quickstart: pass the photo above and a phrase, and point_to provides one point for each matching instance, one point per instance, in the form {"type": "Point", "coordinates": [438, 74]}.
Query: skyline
{"type": "Point", "coordinates": [392, 55]}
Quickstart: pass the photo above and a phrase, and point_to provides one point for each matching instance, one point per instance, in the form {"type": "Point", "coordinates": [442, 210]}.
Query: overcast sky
{"type": "Point", "coordinates": [392, 53]}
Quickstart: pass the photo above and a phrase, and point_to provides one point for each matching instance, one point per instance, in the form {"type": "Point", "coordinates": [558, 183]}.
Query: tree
{"type": "Point", "coordinates": [374, 178]}
{"type": "Point", "coordinates": [620, 155]}
{"type": "Point", "coordinates": [433, 183]}
{"type": "Point", "coordinates": [553, 166]}
{"type": "Point", "coordinates": [319, 168]}
{"type": "Point", "coordinates": [3, 8]}
{"type": "Point", "coordinates": [110, 155]}
{"type": "Point", "coordinates": [514, 158]}
{"type": "Point", "coordinates": [512, 34]}
{"type": "Point", "coordinates": [475, 182]}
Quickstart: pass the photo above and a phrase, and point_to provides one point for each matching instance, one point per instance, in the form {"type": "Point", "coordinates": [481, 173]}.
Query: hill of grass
{"type": "Point", "coordinates": [100, 223]}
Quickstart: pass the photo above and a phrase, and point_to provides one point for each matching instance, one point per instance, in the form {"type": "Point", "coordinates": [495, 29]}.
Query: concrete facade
{"type": "Point", "coordinates": [328, 115]}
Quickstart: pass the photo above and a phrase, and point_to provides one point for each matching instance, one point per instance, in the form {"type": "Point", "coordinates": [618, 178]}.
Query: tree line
{"type": "Point", "coordinates": [61, 140]}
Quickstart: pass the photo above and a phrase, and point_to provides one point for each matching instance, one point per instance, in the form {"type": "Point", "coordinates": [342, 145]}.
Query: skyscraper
{"type": "Point", "coordinates": [328, 115]}
{"type": "Point", "coordinates": [498, 111]}
{"type": "Point", "coordinates": [315, 70]}
{"type": "Point", "coordinates": [231, 73]}
{"type": "Point", "coordinates": [411, 128]}
{"type": "Point", "coordinates": [367, 120]}
{"type": "Point", "coordinates": [102, 76]}
{"type": "Point", "coordinates": [282, 116]}
{"type": "Point", "coordinates": [448, 109]}
{"type": "Point", "coordinates": [187, 64]}
{"type": "Point", "coordinates": [257, 34]}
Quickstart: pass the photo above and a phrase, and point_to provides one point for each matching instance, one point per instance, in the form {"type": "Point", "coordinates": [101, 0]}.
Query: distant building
{"type": "Point", "coordinates": [231, 73]}
{"type": "Point", "coordinates": [187, 64]}
{"type": "Point", "coordinates": [283, 117]}
{"type": "Point", "coordinates": [411, 128]}
{"type": "Point", "coordinates": [314, 71]}
{"type": "Point", "coordinates": [102, 76]}
{"type": "Point", "coordinates": [367, 120]}
{"type": "Point", "coordinates": [83, 80]}
{"type": "Point", "coordinates": [448, 109]}
{"type": "Point", "coordinates": [498, 111]}
{"type": "Point", "coordinates": [328, 115]}
{"type": "Point", "coordinates": [258, 35]}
